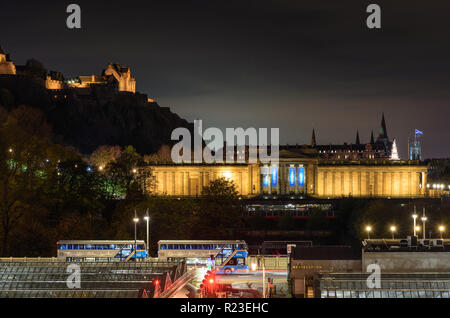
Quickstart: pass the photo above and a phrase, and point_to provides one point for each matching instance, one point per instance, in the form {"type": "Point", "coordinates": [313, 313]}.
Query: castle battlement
{"type": "Point", "coordinates": [6, 65]}
{"type": "Point", "coordinates": [114, 74]}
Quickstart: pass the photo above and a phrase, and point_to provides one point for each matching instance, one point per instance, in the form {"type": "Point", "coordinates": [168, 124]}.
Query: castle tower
{"type": "Point", "coordinates": [6, 65]}
{"type": "Point", "coordinates": [313, 139]}
{"type": "Point", "coordinates": [372, 141]}
{"type": "Point", "coordinates": [357, 142]}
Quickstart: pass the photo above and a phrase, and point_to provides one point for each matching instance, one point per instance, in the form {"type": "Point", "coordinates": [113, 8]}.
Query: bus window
{"type": "Point", "coordinates": [232, 261]}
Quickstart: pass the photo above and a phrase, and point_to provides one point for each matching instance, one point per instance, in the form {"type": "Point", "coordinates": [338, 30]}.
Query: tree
{"type": "Point", "coordinates": [104, 155]}
{"type": "Point", "coordinates": [219, 213]}
{"type": "Point", "coordinates": [25, 162]}
{"type": "Point", "coordinates": [164, 154]}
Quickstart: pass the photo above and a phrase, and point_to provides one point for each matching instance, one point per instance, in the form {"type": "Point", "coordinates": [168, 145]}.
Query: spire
{"type": "Point", "coordinates": [383, 130]}
{"type": "Point", "coordinates": [313, 139]}
{"type": "Point", "coordinates": [357, 137]}
{"type": "Point", "coordinates": [372, 141]}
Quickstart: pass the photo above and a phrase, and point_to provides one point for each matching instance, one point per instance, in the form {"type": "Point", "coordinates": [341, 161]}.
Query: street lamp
{"type": "Point", "coordinates": [393, 229]}
{"type": "Point", "coordinates": [135, 220]}
{"type": "Point", "coordinates": [368, 229]}
{"type": "Point", "coordinates": [417, 229]}
{"type": "Point", "coordinates": [441, 230]}
{"type": "Point", "coordinates": [147, 218]}
{"type": "Point", "coordinates": [415, 226]}
{"type": "Point", "coordinates": [424, 219]}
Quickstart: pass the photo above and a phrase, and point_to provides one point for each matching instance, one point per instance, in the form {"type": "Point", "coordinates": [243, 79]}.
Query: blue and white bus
{"type": "Point", "coordinates": [227, 255]}
{"type": "Point", "coordinates": [100, 251]}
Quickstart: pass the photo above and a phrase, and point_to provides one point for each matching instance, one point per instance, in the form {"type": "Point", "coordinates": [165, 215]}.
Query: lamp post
{"type": "Point", "coordinates": [441, 230]}
{"type": "Point", "coordinates": [393, 229]}
{"type": "Point", "coordinates": [368, 229]}
{"type": "Point", "coordinates": [135, 220]}
{"type": "Point", "coordinates": [147, 218]}
{"type": "Point", "coordinates": [424, 219]}
{"type": "Point", "coordinates": [415, 217]}
{"type": "Point", "coordinates": [417, 228]}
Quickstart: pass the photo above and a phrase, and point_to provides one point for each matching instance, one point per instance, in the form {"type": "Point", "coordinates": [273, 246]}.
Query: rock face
{"type": "Point", "coordinates": [97, 116]}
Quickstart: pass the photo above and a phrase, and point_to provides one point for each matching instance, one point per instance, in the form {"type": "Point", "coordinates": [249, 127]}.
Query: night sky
{"type": "Point", "coordinates": [288, 64]}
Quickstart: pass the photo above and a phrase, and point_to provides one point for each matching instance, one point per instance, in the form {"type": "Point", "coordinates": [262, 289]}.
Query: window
{"type": "Point", "coordinates": [291, 177]}
{"type": "Point", "coordinates": [301, 176]}
{"type": "Point", "coordinates": [266, 181]}
{"type": "Point", "coordinates": [274, 177]}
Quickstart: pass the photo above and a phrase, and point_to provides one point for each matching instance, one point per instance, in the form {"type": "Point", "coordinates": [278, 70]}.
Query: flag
{"type": "Point", "coordinates": [418, 132]}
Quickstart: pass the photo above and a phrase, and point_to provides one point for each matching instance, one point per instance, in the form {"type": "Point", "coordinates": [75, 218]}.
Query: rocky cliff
{"type": "Point", "coordinates": [87, 119]}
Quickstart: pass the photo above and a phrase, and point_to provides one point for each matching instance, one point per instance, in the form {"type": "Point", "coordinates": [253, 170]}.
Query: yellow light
{"type": "Point", "coordinates": [227, 175]}
{"type": "Point", "coordinates": [134, 170]}
{"type": "Point", "coordinates": [254, 266]}
{"type": "Point", "coordinates": [136, 220]}
{"type": "Point", "coordinates": [393, 228]}
{"type": "Point", "coordinates": [368, 228]}
{"type": "Point", "coordinates": [441, 228]}
{"type": "Point", "coordinates": [10, 150]}
{"type": "Point", "coordinates": [100, 168]}
{"type": "Point", "coordinates": [417, 228]}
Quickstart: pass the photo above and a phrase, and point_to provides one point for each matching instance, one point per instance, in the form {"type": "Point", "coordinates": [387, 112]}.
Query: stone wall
{"type": "Point", "coordinates": [408, 261]}
{"type": "Point", "coordinates": [370, 181]}
{"type": "Point", "coordinates": [189, 180]}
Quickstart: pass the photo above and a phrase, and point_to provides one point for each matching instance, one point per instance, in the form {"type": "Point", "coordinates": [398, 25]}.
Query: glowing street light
{"type": "Point", "coordinates": [441, 230]}
{"type": "Point", "coordinates": [424, 219]}
{"type": "Point", "coordinates": [417, 229]}
{"type": "Point", "coordinates": [147, 219]}
{"type": "Point", "coordinates": [368, 229]}
{"type": "Point", "coordinates": [414, 217]}
{"type": "Point", "coordinates": [393, 229]}
{"type": "Point", "coordinates": [135, 220]}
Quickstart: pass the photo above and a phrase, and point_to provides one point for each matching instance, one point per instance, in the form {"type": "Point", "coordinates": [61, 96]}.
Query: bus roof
{"type": "Point", "coordinates": [201, 242]}
{"type": "Point", "coordinates": [100, 242]}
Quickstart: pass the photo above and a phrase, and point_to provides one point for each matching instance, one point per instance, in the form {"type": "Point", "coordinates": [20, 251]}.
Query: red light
{"type": "Point", "coordinates": [211, 281]}
{"type": "Point", "coordinates": [156, 282]}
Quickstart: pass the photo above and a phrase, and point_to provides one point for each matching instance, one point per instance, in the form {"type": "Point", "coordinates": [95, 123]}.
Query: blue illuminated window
{"type": "Point", "coordinates": [301, 176]}
{"type": "Point", "coordinates": [291, 177]}
{"type": "Point", "coordinates": [266, 181]}
{"type": "Point", "coordinates": [274, 177]}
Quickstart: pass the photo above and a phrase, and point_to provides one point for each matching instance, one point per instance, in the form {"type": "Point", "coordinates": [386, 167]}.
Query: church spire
{"type": "Point", "coordinates": [313, 139]}
{"type": "Point", "coordinates": [372, 141]}
{"type": "Point", "coordinates": [383, 130]}
{"type": "Point", "coordinates": [357, 137]}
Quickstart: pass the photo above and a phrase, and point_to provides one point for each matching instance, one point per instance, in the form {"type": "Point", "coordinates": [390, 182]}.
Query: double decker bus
{"type": "Point", "coordinates": [100, 251]}
{"type": "Point", "coordinates": [227, 255]}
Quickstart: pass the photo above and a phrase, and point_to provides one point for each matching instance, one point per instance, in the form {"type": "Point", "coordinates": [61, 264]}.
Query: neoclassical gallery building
{"type": "Point", "coordinates": [300, 171]}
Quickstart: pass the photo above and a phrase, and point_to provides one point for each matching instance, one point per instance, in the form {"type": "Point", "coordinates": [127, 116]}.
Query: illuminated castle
{"type": "Point", "coordinates": [6, 65]}
{"type": "Point", "coordinates": [113, 75]}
